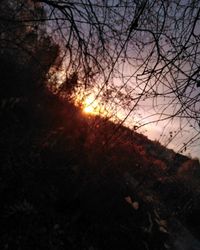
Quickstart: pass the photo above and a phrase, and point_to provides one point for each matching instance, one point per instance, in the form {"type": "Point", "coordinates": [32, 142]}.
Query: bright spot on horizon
{"type": "Point", "coordinates": [91, 106]}
{"type": "Point", "coordinates": [88, 109]}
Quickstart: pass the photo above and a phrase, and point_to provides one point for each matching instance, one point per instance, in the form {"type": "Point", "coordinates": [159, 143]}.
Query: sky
{"type": "Point", "coordinates": [108, 25]}
{"type": "Point", "coordinates": [173, 134]}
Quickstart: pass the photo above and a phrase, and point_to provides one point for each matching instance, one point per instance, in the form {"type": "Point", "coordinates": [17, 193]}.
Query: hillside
{"type": "Point", "coordinates": [72, 181]}
{"type": "Point", "coordinates": [69, 180]}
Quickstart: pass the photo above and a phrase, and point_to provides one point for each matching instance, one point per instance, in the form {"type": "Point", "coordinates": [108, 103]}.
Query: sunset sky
{"type": "Point", "coordinates": [144, 57]}
{"type": "Point", "coordinates": [161, 131]}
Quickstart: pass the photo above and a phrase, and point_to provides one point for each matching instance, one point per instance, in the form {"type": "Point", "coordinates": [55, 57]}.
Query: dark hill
{"type": "Point", "coordinates": [70, 181]}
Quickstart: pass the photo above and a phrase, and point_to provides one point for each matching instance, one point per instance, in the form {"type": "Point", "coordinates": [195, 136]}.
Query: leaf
{"type": "Point", "coordinates": [128, 199]}
{"type": "Point", "coordinates": [161, 222]}
{"type": "Point", "coordinates": [135, 205]}
{"type": "Point", "coordinates": [163, 230]}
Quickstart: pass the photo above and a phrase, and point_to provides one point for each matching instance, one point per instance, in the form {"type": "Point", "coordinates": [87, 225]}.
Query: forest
{"type": "Point", "coordinates": [74, 174]}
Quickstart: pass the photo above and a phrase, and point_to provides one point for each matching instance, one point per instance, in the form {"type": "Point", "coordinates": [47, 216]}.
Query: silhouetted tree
{"type": "Point", "coordinates": [134, 53]}
{"type": "Point", "coordinates": [26, 51]}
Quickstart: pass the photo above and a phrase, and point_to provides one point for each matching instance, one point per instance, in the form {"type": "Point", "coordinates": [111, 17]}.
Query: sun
{"type": "Point", "coordinates": [90, 105]}
{"type": "Point", "coordinates": [88, 109]}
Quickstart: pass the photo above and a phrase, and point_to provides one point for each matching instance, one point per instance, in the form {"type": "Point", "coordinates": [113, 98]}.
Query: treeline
{"type": "Point", "coordinates": [63, 177]}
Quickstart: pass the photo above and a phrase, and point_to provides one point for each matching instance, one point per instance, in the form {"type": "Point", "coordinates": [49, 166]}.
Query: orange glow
{"type": "Point", "coordinates": [91, 106]}
{"type": "Point", "coordinates": [88, 109]}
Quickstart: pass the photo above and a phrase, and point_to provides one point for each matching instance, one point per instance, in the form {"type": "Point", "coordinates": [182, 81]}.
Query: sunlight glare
{"type": "Point", "coordinates": [88, 109]}
{"type": "Point", "coordinates": [90, 105]}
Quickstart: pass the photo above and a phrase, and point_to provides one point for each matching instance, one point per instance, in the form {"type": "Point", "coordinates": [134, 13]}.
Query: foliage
{"type": "Point", "coordinates": [60, 175]}
{"type": "Point", "coordinates": [65, 176]}
{"type": "Point", "coordinates": [23, 49]}
{"type": "Point", "coordinates": [141, 56]}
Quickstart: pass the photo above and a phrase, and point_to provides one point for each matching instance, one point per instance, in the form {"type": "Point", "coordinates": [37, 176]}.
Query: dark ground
{"type": "Point", "coordinates": [61, 189]}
